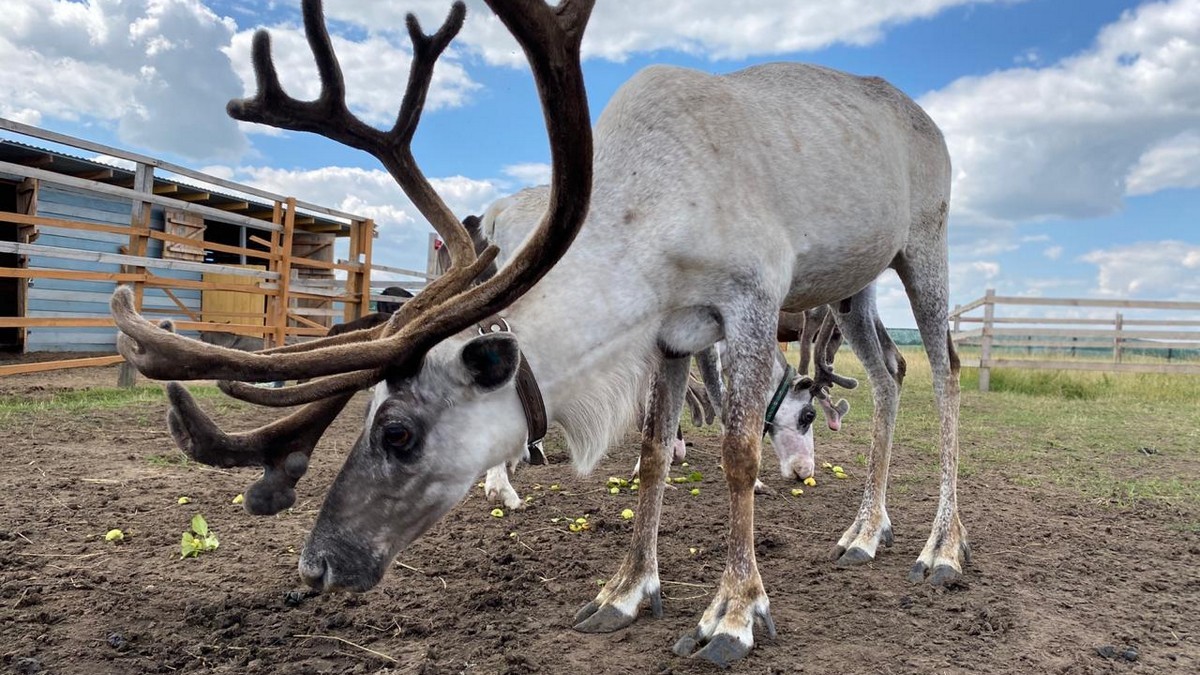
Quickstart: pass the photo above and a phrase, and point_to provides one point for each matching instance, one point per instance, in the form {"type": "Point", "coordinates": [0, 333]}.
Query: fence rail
{"type": "Point", "coordinates": [1058, 343]}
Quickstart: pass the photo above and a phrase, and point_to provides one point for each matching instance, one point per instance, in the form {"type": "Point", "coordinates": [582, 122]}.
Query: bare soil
{"type": "Point", "coordinates": [1057, 580]}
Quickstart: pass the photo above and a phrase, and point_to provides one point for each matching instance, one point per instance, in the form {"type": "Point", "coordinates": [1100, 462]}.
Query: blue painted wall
{"type": "Point", "coordinates": [69, 298]}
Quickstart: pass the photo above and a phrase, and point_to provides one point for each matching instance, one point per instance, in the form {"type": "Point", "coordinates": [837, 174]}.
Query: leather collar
{"type": "Point", "coordinates": [528, 392]}
{"type": "Point", "coordinates": [777, 399]}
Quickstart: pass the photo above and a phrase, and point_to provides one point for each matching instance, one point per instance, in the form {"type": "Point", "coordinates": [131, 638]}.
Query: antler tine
{"type": "Point", "coordinates": [282, 447]}
{"type": "Point", "coordinates": [823, 359]}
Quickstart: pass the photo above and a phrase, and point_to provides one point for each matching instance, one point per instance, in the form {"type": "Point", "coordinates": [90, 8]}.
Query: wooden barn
{"type": "Point", "coordinates": [77, 218]}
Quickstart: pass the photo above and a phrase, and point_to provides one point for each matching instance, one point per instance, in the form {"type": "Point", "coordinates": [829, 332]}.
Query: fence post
{"type": "Point", "coordinates": [985, 341]}
{"type": "Point", "coordinates": [285, 271]}
{"type": "Point", "coordinates": [1117, 339]}
{"type": "Point", "coordinates": [139, 223]}
{"type": "Point", "coordinates": [956, 314]}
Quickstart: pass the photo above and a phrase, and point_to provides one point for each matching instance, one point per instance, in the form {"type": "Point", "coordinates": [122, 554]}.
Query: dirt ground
{"type": "Point", "coordinates": [1056, 578]}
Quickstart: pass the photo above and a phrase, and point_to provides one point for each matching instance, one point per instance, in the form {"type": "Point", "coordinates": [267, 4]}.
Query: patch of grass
{"type": "Point", "coordinates": [80, 400]}
{"type": "Point", "coordinates": [1078, 430]}
{"type": "Point", "coordinates": [173, 459]}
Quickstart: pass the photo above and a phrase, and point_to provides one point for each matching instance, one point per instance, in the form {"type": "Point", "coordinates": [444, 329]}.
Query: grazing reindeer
{"type": "Point", "coordinates": [713, 170]}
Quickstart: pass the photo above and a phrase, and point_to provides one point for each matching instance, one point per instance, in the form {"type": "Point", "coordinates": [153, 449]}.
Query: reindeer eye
{"type": "Point", "coordinates": [807, 415]}
{"type": "Point", "coordinates": [397, 437]}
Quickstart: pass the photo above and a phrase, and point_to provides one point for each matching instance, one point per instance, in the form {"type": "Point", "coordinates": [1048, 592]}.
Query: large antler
{"type": "Point", "coordinates": [550, 37]}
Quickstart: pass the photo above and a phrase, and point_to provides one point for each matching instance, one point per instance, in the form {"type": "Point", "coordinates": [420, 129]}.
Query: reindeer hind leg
{"type": "Point", "coordinates": [924, 272]}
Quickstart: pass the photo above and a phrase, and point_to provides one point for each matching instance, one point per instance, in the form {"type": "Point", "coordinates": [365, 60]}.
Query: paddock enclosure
{"type": "Point", "coordinates": [1082, 503]}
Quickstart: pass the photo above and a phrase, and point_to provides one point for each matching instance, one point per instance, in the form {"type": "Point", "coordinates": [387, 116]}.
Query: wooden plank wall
{"type": "Point", "coordinates": [65, 297]}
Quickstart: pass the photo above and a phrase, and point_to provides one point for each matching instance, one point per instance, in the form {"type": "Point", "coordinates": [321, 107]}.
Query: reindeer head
{"type": "Point", "coordinates": [791, 430]}
{"type": "Point", "coordinates": [444, 407]}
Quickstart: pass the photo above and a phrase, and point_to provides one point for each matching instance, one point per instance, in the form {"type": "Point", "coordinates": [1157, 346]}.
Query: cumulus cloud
{"type": "Point", "coordinates": [151, 68]}
{"type": "Point", "coordinates": [530, 173]}
{"type": "Point", "coordinates": [1053, 252]}
{"type": "Point", "coordinates": [375, 70]}
{"type": "Point", "coordinates": [1152, 269]}
{"type": "Point", "coordinates": [1072, 139]}
{"type": "Point", "coordinates": [1174, 162]}
{"type": "Point", "coordinates": [715, 29]}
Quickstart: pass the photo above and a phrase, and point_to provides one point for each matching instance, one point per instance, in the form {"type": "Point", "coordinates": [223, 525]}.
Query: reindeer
{"type": "Point", "coordinates": [779, 186]}
{"type": "Point", "coordinates": [791, 410]}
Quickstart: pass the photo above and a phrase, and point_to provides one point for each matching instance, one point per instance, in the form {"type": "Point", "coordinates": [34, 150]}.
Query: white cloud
{"type": "Point", "coordinates": [530, 173]}
{"type": "Point", "coordinates": [715, 29]}
{"type": "Point", "coordinates": [1174, 162]}
{"type": "Point", "coordinates": [375, 70]}
{"type": "Point", "coordinates": [1152, 269]}
{"type": "Point", "coordinates": [373, 193]}
{"type": "Point", "coordinates": [151, 68]}
{"type": "Point", "coordinates": [1053, 252]}
{"type": "Point", "coordinates": [1060, 141]}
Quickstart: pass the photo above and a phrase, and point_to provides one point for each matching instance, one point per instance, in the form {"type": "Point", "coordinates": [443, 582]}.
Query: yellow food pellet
{"type": "Point", "coordinates": [185, 500]}
{"type": "Point", "coordinates": [114, 535]}
{"type": "Point", "coordinates": [498, 513]}
{"type": "Point", "coordinates": [574, 528]}
{"type": "Point", "coordinates": [554, 487]}
{"type": "Point", "coordinates": [239, 499]}
{"type": "Point", "coordinates": [840, 475]}
{"type": "Point", "coordinates": [614, 490]}
{"type": "Point", "coordinates": [680, 479]}
{"type": "Point", "coordinates": [695, 491]}
{"type": "Point", "coordinates": [581, 521]}
{"type": "Point", "coordinates": [810, 481]}
{"type": "Point", "coordinates": [627, 514]}
{"type": "Point", "coordinates": [838, 469]}
{"type": "Point", "coordinates": [826, 465]}
{"type": "Point", "coordinates": [684, 465]}
{"type": "Point", "coordinates": [796, 492]}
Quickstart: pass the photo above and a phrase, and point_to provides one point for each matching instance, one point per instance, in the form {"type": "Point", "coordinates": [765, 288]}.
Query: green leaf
{"type": "Point", "coordinates": [695, 477]}
{"type": "Point", "coordinates": [189, 547]}
{"type": "Point", "coordinates": [210, 542]}
{"type": "Point", "coordinates": [199, 526]}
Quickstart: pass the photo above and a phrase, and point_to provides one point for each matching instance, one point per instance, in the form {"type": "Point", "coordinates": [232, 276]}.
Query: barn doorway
{"type": "Point", "coordinates": [11, 288]}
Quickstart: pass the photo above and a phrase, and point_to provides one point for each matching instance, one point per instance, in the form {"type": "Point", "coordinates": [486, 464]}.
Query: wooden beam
{"type": "Point", "coordinates": [91, 362]}
{"type": "Point", "coordinates": [99, 174]}
{"type": "Point", "coordinates": [166, 189]}
{"type": "Point", "coordinates": [1099, 366]}
{"type": "Point", "coordinates": [193, 196]}
{"type": "Point", "coordinates": [75, 275]}
{"type": "Point", "coordinates": [122, 259]}
{"type": "Point", "coordinates": [232, 206]}
{"type": "Point", "coordinates": [1081, 302]}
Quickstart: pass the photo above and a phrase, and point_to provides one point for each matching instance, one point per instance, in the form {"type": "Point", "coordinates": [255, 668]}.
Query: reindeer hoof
{"type": "Point", "coordinates": [595, 618]}
{"type": "Point", "coordinates": [943, 576]}
{"type": "Point", "coordinates": [722, 650]}
{"type": "Point", "coordinates": [686, 644]}
{"type": "Point", "coordinates": [853, 557]}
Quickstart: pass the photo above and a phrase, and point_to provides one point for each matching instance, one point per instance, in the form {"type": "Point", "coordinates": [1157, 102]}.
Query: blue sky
{"type": "Point", "coordinates": [1074, 125]}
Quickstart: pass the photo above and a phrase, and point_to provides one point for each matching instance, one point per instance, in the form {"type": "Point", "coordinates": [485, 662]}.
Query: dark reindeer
{"type": "Point", "coordinates": [737, 155]}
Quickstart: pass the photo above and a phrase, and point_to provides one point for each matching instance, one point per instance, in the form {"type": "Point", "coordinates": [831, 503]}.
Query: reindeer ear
{"type": "Point", "coordinates": [491, 360]}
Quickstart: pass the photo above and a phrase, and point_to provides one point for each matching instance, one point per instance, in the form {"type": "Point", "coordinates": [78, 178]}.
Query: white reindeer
{"type": "Point", "coordinates": [779, 186]}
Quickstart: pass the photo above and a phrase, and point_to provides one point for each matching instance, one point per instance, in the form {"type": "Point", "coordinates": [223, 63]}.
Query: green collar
{"type": "Point", "coordinates": [777, 399]}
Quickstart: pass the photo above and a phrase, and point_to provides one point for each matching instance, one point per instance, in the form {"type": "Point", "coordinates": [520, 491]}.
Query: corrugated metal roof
{"type": "Point", "coordinates": [56, 161]}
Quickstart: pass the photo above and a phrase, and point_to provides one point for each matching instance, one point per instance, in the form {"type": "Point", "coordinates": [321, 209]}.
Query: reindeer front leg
{"type": "Point", "coordinates": [726, 630]}
{"type": "Point", "coordinates": [636, 578]}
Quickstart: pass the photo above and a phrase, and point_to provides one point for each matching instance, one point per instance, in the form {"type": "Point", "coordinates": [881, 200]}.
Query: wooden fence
{"type": "Point", "coordinates": [292, 307]}
{"type": "Point", "coordinates": [1161, 344]}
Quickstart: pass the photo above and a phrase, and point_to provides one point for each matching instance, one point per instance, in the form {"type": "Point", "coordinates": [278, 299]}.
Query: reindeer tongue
{"type": "Point", "coordinates": [833, 416]}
